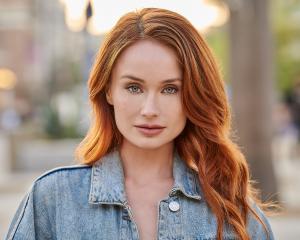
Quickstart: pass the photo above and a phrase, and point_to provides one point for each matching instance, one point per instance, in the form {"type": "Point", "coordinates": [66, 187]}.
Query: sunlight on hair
{"type": "Point", "coordinates": [201, 13]}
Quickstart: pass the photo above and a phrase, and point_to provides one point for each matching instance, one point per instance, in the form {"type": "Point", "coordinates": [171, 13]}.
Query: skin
{"type": "Point", "coordinates": [147, 160]}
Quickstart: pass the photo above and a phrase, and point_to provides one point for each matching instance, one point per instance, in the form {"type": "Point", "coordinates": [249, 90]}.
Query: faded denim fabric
{"type": "Point", "coordinates": [89, 202]}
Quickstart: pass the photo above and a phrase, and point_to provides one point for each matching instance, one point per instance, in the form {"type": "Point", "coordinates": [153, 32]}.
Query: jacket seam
{"type": "Point", "coordinates": [21, 215]}
{"type": "Point", "coordinates": [91, 193]}
{"type": "Point", "coordinates": [54, 170]}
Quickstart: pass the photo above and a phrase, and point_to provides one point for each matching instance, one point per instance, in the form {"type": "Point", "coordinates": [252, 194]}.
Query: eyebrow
{"type": "Point", "coordinates": [141, 80]}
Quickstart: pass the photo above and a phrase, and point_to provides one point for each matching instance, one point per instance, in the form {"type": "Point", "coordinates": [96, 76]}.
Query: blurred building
{"type": "Point", "coordinates": [50, 65]}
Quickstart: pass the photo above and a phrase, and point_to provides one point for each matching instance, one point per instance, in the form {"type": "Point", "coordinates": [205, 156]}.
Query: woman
{"type": "Point", "coordinates": [157, 162]}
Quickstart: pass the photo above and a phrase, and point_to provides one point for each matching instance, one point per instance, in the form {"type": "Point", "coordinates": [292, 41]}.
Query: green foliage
{"type": "Point", "coordinates": [218, 41]}
{"type": "Point", "coordinates": [286, 29]}
{"type": "Point", "coordinates": [54, 128]}
{"type": "Point", "coordinates": [285, 24]}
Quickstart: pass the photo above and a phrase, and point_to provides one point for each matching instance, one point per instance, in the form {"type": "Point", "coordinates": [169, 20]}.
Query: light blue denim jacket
{"type": "Point", "coordinates": [89, 202]}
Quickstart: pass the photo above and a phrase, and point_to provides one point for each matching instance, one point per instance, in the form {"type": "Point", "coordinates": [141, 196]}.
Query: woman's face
{"type": "Point", "coordinates": [146, 90]}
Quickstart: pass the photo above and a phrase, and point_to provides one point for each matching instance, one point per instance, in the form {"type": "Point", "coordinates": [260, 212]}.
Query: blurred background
{"type": "Point", "coordinates": [46, 52]}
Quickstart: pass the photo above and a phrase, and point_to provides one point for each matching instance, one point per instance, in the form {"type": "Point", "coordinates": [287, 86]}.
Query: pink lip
{"type": "Point", "coordinates": [150, 131]}
{"type": "Point", "coordinates": [156, 126]}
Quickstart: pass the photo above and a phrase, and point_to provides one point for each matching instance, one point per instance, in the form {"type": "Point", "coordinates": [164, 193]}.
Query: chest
{"type": "Point", "coordinates": [144, 207]}
{"type": "Point", "coordinates": [149, 220]}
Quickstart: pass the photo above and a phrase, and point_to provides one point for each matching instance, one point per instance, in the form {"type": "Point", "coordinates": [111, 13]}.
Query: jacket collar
{"type": "Point", "coordinates": [107, 180]}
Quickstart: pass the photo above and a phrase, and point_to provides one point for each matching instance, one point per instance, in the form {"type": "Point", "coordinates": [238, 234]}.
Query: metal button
{"type": "Point", "coordinates": [174, 206]}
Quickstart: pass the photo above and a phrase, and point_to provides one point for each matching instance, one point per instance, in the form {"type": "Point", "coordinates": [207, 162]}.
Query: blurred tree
{"type": "Point", "coordinates": [217, 39]}
{"type": "Point", "coordinates": [251, 75]}
{"type": "Point", "coordinates": [286, 27]}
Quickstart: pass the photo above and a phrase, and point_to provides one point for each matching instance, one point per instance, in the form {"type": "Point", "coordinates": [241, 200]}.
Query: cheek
{"type": "Point", "coordinates": [119, 99]}
{"type": "Point", "coordinates": [177, 113]}
{"type": "Point", "coordinates": [120, 104]}
{"type": "Point", "coordinates": [125, 105]}
{"type": "Point", "coordinates": [173, 107]}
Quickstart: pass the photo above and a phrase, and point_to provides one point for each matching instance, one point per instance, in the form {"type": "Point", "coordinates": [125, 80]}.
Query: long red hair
{"type": "Point", "coordinates": [205, 142]}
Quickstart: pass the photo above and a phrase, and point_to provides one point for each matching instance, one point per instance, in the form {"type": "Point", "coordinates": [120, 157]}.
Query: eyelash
{"type": "Point", "coordinates": [134, 85]}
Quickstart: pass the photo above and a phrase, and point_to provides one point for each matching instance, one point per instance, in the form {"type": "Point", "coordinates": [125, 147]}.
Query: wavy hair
{"type": "Point", "coordinates": [205, 142]}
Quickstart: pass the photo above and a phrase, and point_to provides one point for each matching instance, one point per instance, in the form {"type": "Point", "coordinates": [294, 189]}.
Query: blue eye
{"type": "Point", "coordinates": [171, 90]}
{"type": "Point", "coordinates": [133, 89]}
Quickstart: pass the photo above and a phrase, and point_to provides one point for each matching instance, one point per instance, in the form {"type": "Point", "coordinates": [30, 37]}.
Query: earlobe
{"type": "Point", "coordinates": [108, 98]}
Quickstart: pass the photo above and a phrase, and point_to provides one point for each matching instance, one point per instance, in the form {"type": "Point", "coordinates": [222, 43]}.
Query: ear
{"type": "Point", "coordinates": [108, 97]}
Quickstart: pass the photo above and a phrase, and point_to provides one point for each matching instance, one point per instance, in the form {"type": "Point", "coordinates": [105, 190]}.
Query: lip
{"type": "Point", "coordinates": [150, 130]}
{"type": "Point", "coordinates": [149, 126]}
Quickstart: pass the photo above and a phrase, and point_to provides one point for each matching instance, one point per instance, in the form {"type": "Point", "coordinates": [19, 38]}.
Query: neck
{"type": "Point", "coordinates": [143, 166]}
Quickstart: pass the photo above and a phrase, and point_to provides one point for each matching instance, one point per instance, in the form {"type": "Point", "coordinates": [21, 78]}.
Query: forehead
{"type": "Point", "coordinates": [148, 58]}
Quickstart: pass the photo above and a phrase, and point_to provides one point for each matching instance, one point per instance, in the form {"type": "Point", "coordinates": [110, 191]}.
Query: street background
{"type": "Point", "coordinates": [46, 52]}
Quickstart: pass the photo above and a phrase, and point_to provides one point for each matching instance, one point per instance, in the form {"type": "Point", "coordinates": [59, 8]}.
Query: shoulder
{"type": "Point", "coordinates": [255, 227]}
{"type": "Point", "coordinates": [49, 187]}
{"type": "Point", "coordinates": [64, 178]}
{"type": "Point", "coordinates": [59, 173]}
{"type": "Point", "coordinates": [50, 190]}
{"type": "Point", "coordinates": [52, 183]}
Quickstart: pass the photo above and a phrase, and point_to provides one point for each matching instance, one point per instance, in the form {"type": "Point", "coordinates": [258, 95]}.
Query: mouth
{"type": "Point", "coordinates": [147, 126]}
{"type": "Point", "coordinates": [150, 131]}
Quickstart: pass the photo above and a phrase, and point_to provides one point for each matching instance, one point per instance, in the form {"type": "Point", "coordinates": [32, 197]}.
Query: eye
{"type": "Point", "coordinates": [171, 90]}
{"type": "Point", "coordinates": [133, 89]}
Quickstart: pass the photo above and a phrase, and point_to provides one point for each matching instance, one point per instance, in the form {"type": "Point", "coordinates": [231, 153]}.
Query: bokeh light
{"type": "Point", "coordinates": [8, 79]}
{"type": "Point", "coordinates": [202, 14]}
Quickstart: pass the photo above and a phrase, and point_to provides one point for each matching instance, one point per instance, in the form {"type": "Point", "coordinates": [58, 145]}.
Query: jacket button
{"type": "Point", "coordinates": [174, 206]}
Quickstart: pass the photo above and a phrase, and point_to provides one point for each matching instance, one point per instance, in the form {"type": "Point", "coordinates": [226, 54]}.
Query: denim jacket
{"type": "Point", "coordinates": [89, 202]}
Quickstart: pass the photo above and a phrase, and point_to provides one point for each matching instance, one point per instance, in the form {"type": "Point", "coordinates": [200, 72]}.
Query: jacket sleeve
{"type": "Point", "coordinates": [256, 229]}
{"type": "Point", "coordinates": [32, 219]}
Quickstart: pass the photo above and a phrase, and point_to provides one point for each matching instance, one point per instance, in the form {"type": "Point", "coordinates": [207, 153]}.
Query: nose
{"type": "Point", "coordinates": [149, 107]}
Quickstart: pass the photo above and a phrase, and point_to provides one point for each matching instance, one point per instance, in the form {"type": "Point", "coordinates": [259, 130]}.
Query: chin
{"type": "Point", "coordinates": [150, 144]}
